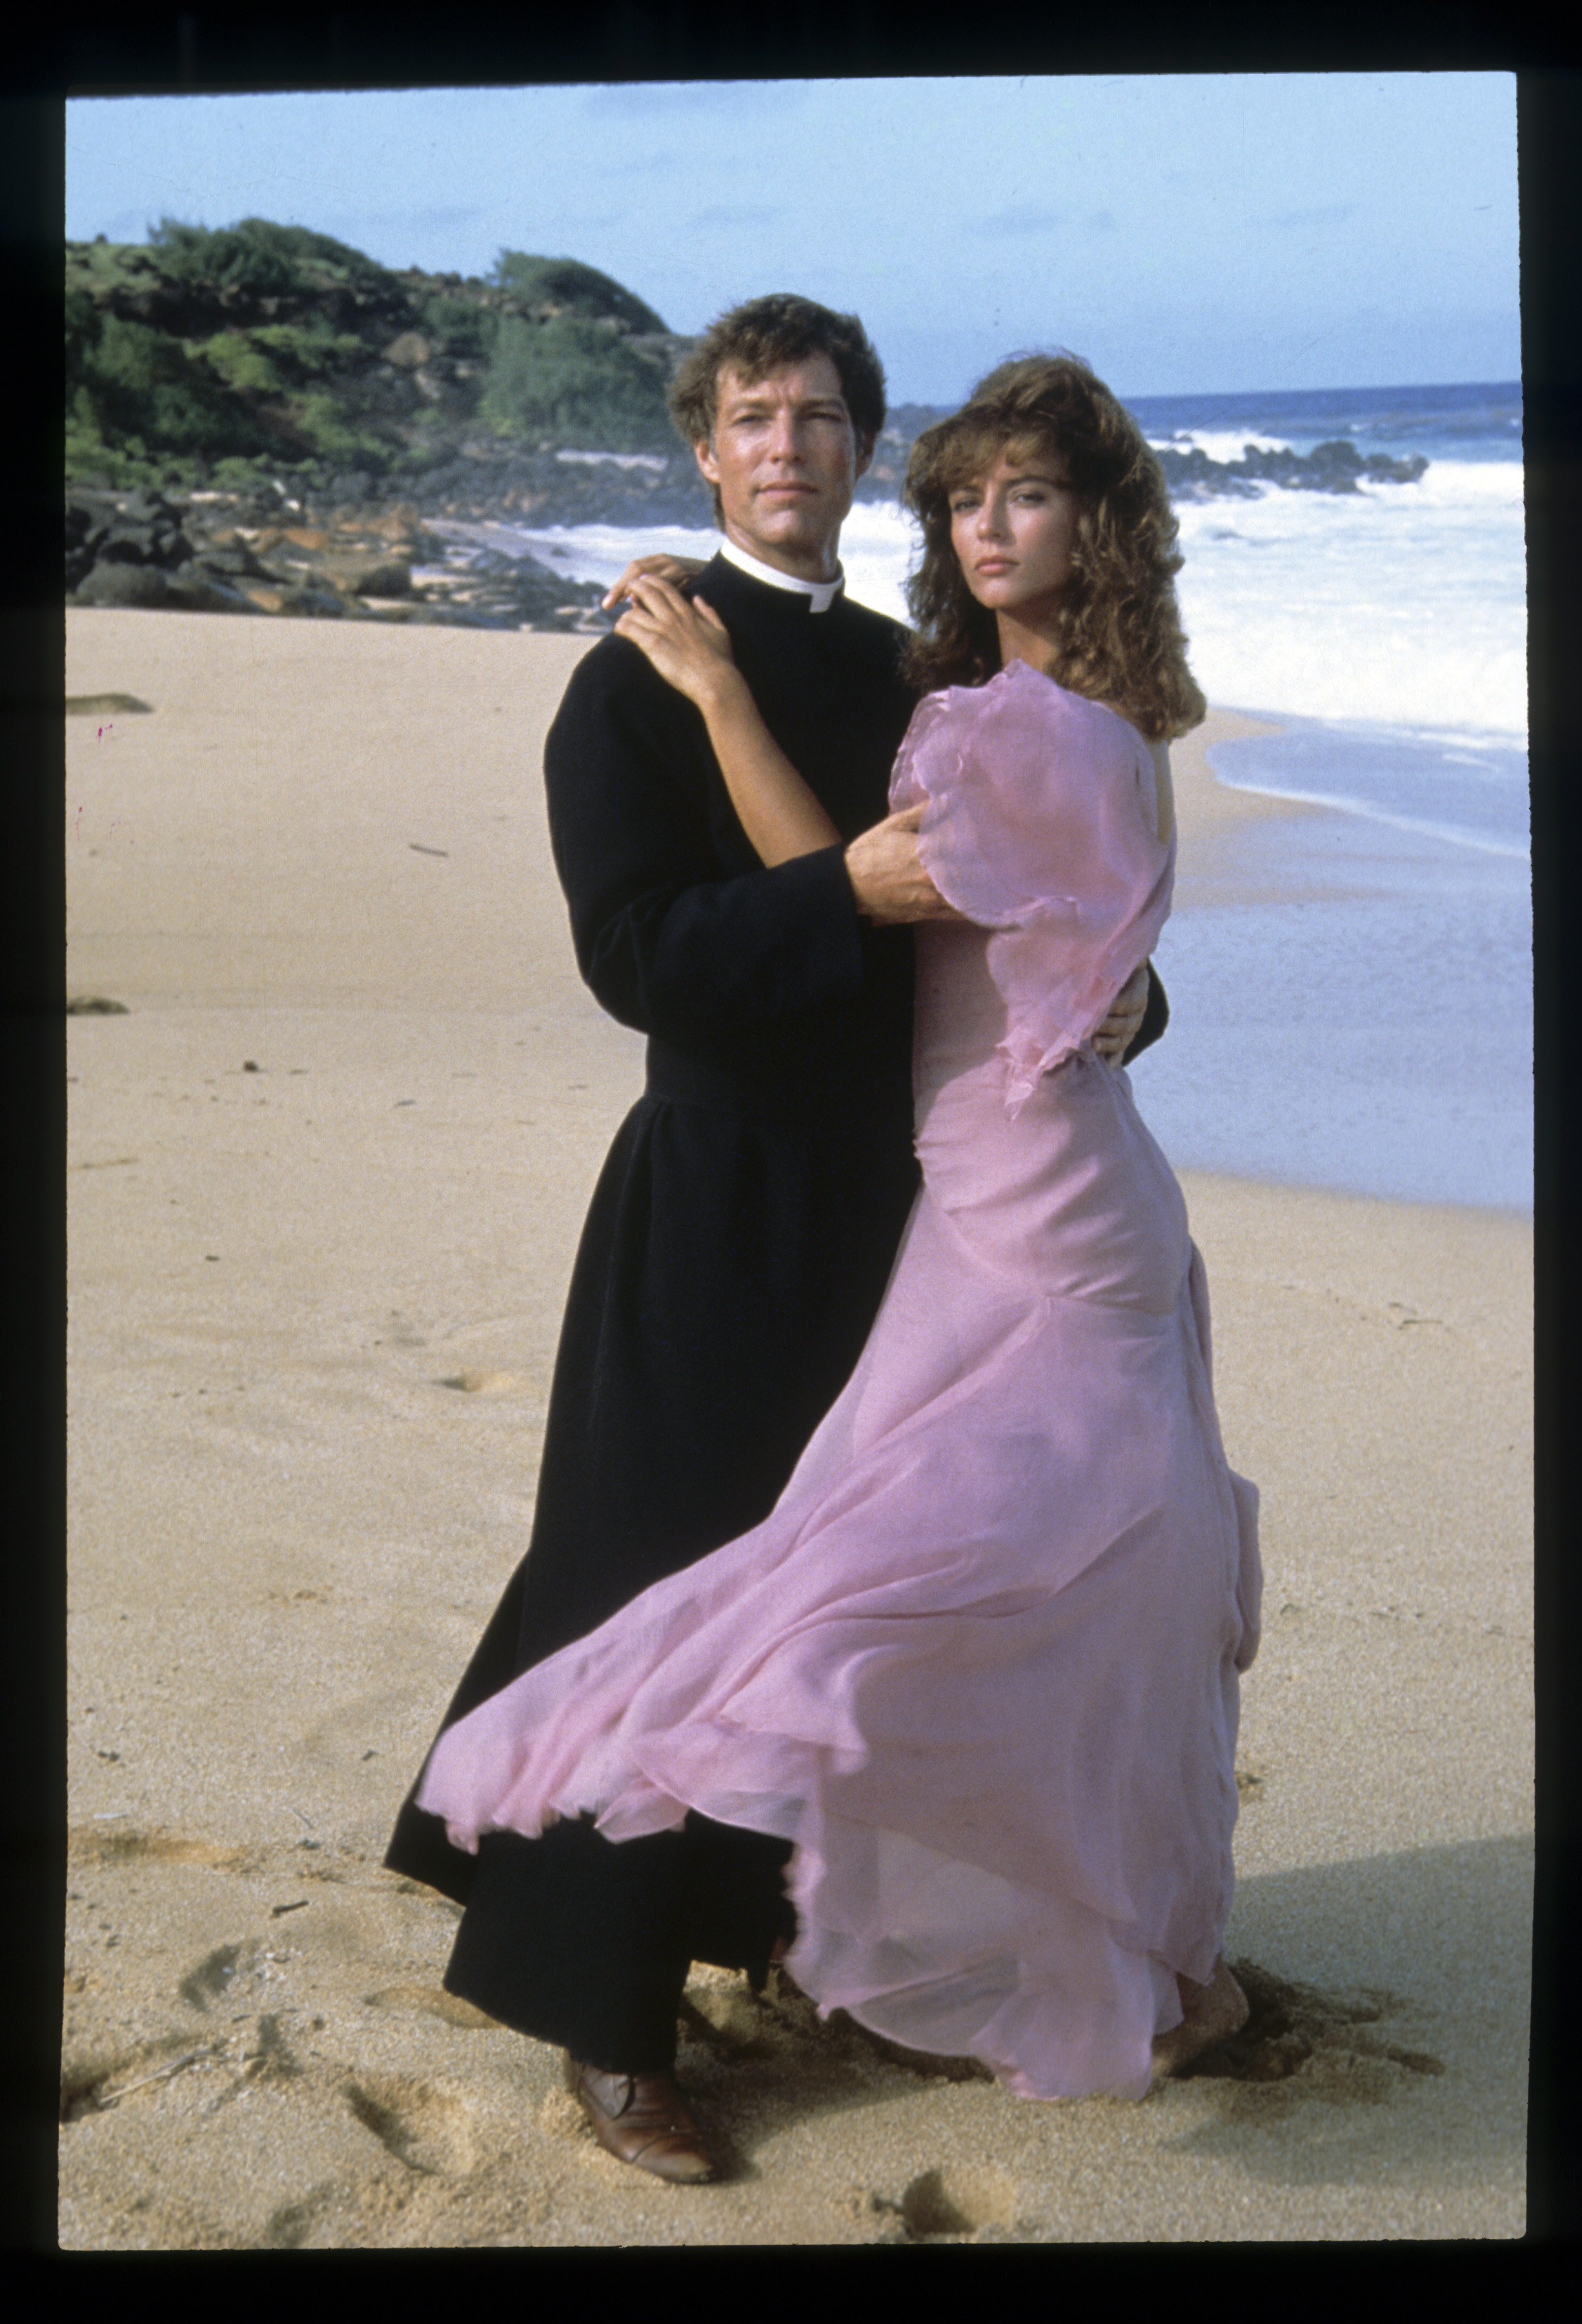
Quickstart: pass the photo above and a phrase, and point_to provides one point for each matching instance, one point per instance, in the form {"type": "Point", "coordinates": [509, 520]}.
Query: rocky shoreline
{"type": "Point", "coordinates": [362, 546]}
{"type": "Point", "coordinates": [219, 552]}
{"type": "Point", "coordinates": [362, 550]}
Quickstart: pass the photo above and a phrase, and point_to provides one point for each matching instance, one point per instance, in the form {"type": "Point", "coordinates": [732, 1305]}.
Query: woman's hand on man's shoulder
{"type": "Point", "coordinates": [659, 566]}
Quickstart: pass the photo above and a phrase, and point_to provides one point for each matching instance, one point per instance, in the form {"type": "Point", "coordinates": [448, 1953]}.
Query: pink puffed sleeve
{"type": "Point", "coordinates": [1039, 822]}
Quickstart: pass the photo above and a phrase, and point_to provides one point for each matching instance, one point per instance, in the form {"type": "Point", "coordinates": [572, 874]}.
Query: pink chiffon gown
{"type": "Point", "coordinates": [981, 1664]}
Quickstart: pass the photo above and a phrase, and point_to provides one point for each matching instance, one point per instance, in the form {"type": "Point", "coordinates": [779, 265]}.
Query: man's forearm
{"type": "Point", "coordinates": [775, 807]}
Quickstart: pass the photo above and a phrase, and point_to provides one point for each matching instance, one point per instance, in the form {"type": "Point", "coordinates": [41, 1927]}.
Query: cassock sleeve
{"type": "Point", "coordinates": [1155, 1016]}
{"type": "Point", "coordinates": [666, 939]}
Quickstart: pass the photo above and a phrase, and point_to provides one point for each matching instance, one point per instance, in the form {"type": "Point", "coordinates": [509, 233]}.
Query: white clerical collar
{"type": "Point", "coordinates": [821, 594]}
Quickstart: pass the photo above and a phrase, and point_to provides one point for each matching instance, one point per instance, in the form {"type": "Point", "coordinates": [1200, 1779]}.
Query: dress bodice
{"type": "Point", "coordinates": [1040, 823]}
{"type": "Point", "coordinates": [1068, 1193]}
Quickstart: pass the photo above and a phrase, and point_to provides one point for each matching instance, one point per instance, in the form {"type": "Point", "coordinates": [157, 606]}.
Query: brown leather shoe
{"type": "Point", "coordinates": [642, 2119]}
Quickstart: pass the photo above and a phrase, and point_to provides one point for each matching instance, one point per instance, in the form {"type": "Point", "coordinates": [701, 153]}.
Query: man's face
{"type": "Point", "coordinates": [784, 459]}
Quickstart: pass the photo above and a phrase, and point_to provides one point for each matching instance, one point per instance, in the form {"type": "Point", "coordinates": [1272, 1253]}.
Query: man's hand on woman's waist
{"type": "Point", "coordinates": [886, 874]}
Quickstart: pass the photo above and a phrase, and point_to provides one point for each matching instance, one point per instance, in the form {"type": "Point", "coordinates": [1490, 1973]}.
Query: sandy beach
{"type": "Point", "coordinates": [349, 1051]}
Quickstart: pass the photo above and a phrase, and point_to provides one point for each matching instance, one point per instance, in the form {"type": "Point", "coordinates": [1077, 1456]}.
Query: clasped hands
{"type": "Point", "coordinates": [690, 647]}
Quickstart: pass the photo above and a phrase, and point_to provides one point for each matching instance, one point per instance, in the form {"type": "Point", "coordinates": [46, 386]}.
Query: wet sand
{"type": "Point", "coordinates": [326, 1175]}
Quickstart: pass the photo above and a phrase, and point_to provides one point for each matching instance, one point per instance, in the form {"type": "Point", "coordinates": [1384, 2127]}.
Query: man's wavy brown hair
{"type": "Point", "coordinates": [1120, 638]}
{"type": "Point", "coordinates": [769, 335]}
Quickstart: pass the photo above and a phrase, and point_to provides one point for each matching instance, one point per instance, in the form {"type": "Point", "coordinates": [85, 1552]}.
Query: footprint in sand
{"type": "Point", "coordinates": [483, 1383]}
{"type": "Point", "coordinates": [720, 2021]}
{"type": "Point", "coordinates": [221, 1975]}
{"type": "Point", "coordinates": [95, 2079]}
{"type": "Point", "coordinates": [84, 1845]}
{"type": "Point", "coordinates": [1300, 2043]}
{"type": "Point", "coordinates": [433, 2001]}
{"type": "Point", "coordinates": [288, 2227]}
{"type": "Point", "coordinates": [428, 2129]}
{"type": "Point", "coordinates": [957, 2204]}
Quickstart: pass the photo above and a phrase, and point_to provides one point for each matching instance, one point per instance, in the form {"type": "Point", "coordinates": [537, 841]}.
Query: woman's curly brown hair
{"type": "Point", "coordinates": [1120, 638]}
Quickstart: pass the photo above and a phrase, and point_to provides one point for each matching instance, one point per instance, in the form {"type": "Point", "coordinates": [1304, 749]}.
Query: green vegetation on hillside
{"type": "Point", "coordinates": [570, 288]}
{"type": "Point", "coordinates": [260, 259]}
{"type": "Point", "coordinates": [574, 381]}
{"type": "Point", "coordinates": [259, 347]}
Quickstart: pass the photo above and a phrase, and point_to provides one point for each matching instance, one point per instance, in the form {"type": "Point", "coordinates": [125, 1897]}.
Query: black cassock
{"type": "Point", "coordinates": [735, 1254]}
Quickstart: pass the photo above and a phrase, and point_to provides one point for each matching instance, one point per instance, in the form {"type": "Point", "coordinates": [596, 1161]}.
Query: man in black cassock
{"type": "Point", "coordinates": [742, 1230]}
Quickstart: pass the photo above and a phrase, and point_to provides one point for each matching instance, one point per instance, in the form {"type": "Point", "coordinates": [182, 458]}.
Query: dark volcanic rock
{"type": "Point", "coordinates": [231, 564]}
{"type": "Point", "coordinates": [1333, 467]}
{"type": "Point", "coordinates": [194, 591]}
{"type": "Point", "coordinates": [274, 597]}
{"type": "Point", "coordinates": [123, 585]}
{"type": "Point", "coordinates": [371, 576]}
{"type": "Point", "coordinates": [104, 705]}
{"type": "Point", "coordinates": [1192, 475]}
{"type": "Point", "coordinates": [85, 529]}
{"type": "Point", "coordinates": [163, 544]}
{"type": "Point", "coordinates": [225, 552]}
{"type": "Point", "coordinates": [142, 507]}
{"type": "Point", "coordinates": [142, 529]}
{"type": "Point", "coordinates": [485, 588]}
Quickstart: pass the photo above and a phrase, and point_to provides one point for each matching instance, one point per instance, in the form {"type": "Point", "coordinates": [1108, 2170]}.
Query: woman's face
{"type": "Point", "coordinates": [1013, 528]}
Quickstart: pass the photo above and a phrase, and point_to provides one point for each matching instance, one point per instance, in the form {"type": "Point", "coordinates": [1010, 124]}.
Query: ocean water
{"type": "Point", "coordinates": [1367, 1023]}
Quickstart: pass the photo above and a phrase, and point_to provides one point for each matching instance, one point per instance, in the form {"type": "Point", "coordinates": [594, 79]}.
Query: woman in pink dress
{"type": "Point", "coordinates": [980, 1664]}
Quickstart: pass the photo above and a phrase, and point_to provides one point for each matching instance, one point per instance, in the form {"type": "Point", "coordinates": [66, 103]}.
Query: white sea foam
{"type": "Point", "coordinates": [1223, 443]}
{"type": "Point", "coordinates": [654, 460]}
{"type": "Point", "coordinates": [595, 552]}
{"type": "Point", "coordinates": [1400, 604]}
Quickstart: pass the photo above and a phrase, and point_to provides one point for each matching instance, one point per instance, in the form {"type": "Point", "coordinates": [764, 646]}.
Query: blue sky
{"type": "Point", "coordinates": [1186, 234]}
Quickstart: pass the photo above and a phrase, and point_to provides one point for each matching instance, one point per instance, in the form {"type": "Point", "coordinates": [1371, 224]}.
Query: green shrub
{"type": "Point", "coordinates": [233, 474]}
{"type": "Point", "coordinates": [310, 347]}
{"type": "Point", "coordinates": [85, 453]}
{"type": "Point", "coordinates": [260, 258]}
{"type": "Point", "coordinates": [567, 283]}
{"type": "Point", "coordinates": [241, 362]}
{"type": "Point", "coordinates": [320, 421]}
{"type": "Point", "coordinates": [142, 401]}
{"type": "Point", "coordinates": [573, 383]}
{"type": "Point", "coordinates": [85, 448]}
{"type": "Point", "coordinates": [141, 383]}
{"type": "Point", "coordinates": [462, 328]}
{"type": "Point", "coordinates": [231, 259]}
{"type": "Point", "coordinates": [82, 332]}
